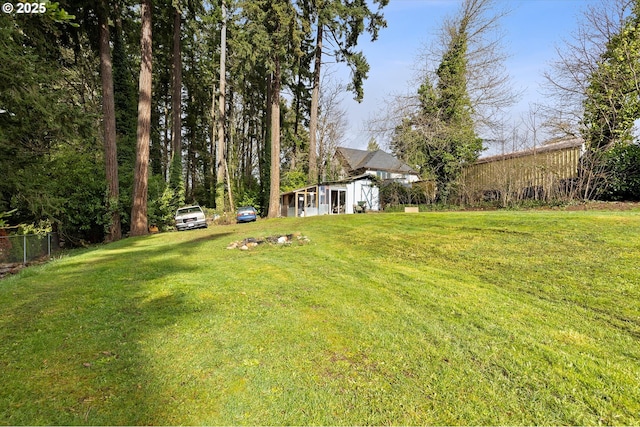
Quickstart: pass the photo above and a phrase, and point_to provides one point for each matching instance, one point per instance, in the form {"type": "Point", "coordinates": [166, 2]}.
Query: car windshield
{"type": "Point", "coordinates": [188, 210]}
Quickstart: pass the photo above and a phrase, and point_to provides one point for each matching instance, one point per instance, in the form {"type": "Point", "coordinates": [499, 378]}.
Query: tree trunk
{"type": "Point", "coordinates": [222, 156]}
{"type": "Point", "coordinates": [166, 139]}
{"type": "Point", "coordinates": [313, 122]}
{"type": "Point", "coordinates": [109, 116]}
{"type": "Point", "coordinates": [212, 151]}
{"type": "Point", "coordinates": [226, 170]}
{"type": "Point", "coordinates": [264, 148]}
{"type": "Point", "coordinates": [274, 188]}
{"type": "Point", "coordinates": [176, 96]}
{"type": "Point", "coordinates": [141, 172]}
{"type": "Point", "coordinates": [293, 161]}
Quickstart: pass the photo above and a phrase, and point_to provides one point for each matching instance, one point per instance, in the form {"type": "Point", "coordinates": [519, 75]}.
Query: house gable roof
{"type": "Point", "coordinates": [360, 160]}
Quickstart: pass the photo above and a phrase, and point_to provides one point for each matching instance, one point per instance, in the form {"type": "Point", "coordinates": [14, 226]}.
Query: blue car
{"type": "Point", "coordinates": [246, 214]}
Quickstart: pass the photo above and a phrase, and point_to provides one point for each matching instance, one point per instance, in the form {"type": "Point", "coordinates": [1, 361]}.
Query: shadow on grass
{"type": "Point", "coordinates": [73, 335]}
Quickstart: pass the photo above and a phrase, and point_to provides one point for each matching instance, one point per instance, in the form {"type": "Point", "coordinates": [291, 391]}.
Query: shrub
{"type": "Point", "coordinates": [163, 202]}
{"type": "Point", "coordinates": [394, 193]}
{"type": "Point", "coordinates": [622, 165]}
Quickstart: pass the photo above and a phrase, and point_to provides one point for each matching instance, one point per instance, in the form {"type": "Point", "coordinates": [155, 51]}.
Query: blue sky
{"type": "Point", "coordinates": [532, 32]}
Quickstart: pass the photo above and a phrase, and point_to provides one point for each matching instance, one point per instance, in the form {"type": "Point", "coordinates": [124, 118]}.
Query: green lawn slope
{"type": "Point", "coordinates": [513, 318]}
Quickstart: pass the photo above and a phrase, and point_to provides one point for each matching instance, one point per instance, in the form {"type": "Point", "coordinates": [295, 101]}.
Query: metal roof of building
{"type": "Point", "coordinates": [555, 146]}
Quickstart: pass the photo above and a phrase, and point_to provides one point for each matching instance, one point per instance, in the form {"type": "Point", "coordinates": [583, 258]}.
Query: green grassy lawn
{"type": "Point", "coordinates": [435, 318]}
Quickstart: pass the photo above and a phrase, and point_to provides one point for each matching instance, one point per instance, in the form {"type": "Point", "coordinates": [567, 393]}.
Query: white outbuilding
{"type": "Point", "coordinates": [351, 195]}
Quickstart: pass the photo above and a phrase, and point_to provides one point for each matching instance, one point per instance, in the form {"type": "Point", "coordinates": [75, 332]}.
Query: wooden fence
{"type": "Point", "coordinates": [541, 173]}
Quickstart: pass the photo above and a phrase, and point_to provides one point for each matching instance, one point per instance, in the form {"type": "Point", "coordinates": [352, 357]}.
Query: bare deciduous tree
{"type": "Point", "coordinates": [332, 125]}
{"type": "Point", "coordinates": [488, 83]}
{"type": "Point", "coordinates": [594, 84]}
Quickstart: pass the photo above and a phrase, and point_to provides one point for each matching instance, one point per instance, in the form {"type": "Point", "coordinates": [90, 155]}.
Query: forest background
{"type": "Point", "coordinates": [114, 113]}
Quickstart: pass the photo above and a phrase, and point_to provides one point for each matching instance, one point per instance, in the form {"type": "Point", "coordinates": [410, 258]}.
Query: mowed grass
{"type": "Point", "coordinates": [515, 318]}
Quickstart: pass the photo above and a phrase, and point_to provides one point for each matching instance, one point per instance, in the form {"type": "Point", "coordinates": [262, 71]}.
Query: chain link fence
{"type": "Point", "coordinates": [27, 247]}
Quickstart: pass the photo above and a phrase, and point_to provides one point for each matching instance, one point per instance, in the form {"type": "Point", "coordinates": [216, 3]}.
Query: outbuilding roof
{"type": "Point", "coordinates": [365, 177]}
{"type": "Point", "coordinates": [561, 144]}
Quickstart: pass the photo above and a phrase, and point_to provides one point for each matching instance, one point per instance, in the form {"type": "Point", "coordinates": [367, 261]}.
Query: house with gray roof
{"type": "Point", "coordinates": [355, 191]}
{"type": "Point", "coordinates": [378, 163]}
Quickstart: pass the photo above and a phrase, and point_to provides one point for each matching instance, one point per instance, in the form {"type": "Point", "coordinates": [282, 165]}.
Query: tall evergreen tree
{"type": "Point", "coordinates": [125, 95]}
{"type": "Point", "coordinates": [49, 123]}
{"type": "Point", "coordinates": [175, 174]}
{"type": "Point", "coordinates": [315, 97]}
{"type": "Point", "coordinates": [141, 175]}
{"type": "Point", "coordinates": [345, 22]}
{"type": "Point", "coordinates": [221, 158]}
{"type": "Point", "coordinates": [276, 32]}
{"type": "Point", "coordinates": [109, 125]}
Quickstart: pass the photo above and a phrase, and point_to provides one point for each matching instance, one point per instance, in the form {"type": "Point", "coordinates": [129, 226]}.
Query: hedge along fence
{"type": "Point", "coordinates": [542, 173]}
{"type": "Point", "coordinates": [27, 247]}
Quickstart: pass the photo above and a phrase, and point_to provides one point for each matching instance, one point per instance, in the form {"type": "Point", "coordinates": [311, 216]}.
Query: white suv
{"type": "Point", "coordinates": [190, 217]}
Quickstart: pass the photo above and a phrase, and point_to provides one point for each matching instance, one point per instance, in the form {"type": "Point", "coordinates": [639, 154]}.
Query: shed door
{"type": "Point", "coordinates": [366, 194]}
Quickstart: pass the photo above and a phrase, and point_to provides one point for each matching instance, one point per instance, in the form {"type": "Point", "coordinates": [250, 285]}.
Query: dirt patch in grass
{"type": "Point", "coordinates": [284, 239]}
